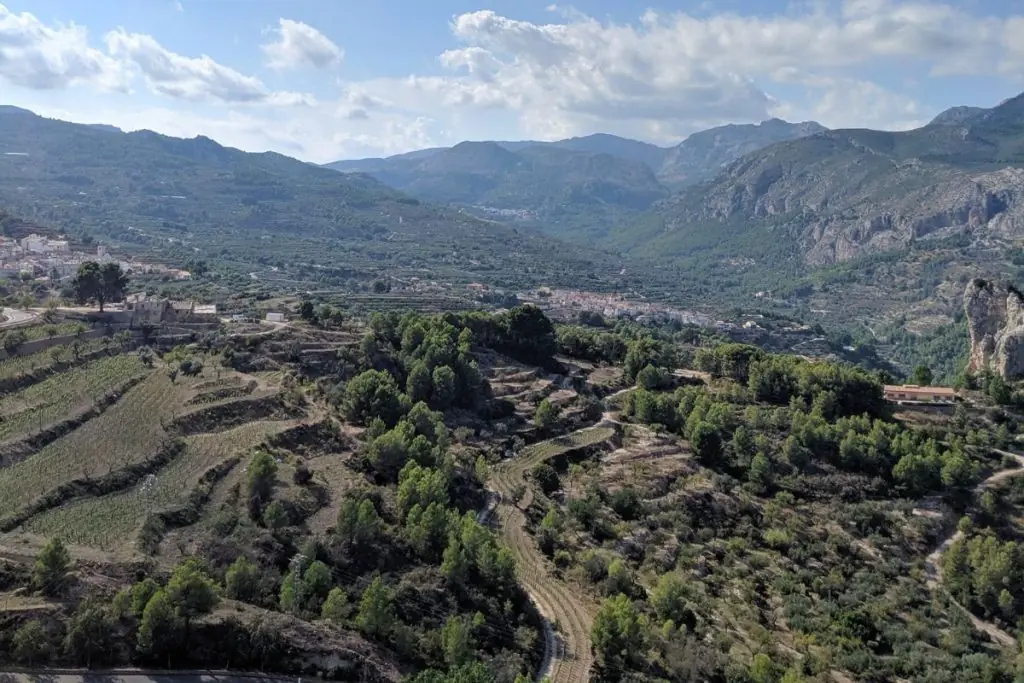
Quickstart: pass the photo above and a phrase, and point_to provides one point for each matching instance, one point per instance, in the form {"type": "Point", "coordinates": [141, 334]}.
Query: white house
{"type": "Point", "coordinates": [273, 317]}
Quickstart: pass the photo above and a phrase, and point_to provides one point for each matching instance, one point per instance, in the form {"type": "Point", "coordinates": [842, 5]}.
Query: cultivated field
{"type": "Point", "coordinates": [61, 395]}
{"type": "Point", "coordinates": [112, 521]}
{"type": "Point", "coordinates": [563, 444]}
{"type": "Point", "coordinates": [42, 360]}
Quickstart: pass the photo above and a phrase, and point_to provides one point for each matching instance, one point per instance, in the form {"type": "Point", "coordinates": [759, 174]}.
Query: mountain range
{"type": "Point", "coordinates": [177, 199]}
{"type": "Point", "coordinates": [844, 194]}
{"type": "Point", "coordinates": [812, 218]}
{"type": "Point", "coordinates": [577, 188]}
{"type": "Point", "coordinates": [778, 207]}
{"type": "Point", "coordinates": [828, 195]}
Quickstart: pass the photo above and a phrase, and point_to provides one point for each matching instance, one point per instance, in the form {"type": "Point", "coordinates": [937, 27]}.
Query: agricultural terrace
{"type": "Point", "coordinates": [127, 433]}
{"type": "Point", "coordinates": [563, 444]}
{"type": "Point", "coordinates": [34, 332]}
{"type": "Point", "coordinates": [48, 359]}
{"type": "Point", "coordinates": [61, 395]}
{"type": "Point", "coordinates": [113, 521]}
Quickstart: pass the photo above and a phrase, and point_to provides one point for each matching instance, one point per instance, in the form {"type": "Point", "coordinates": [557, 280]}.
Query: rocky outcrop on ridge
{"type": "Point", "coordinates": [995, 318]}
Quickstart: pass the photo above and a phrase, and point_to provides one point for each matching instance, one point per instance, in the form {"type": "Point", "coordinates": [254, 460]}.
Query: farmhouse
{"type": "Point", "coordinates": [156, 310]}
{"type": "Point", "coordinates": [912, 393]}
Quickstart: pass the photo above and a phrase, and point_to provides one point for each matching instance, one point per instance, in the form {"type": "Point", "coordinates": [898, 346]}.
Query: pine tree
{"type": "Point", "coordinates": [51, 567]}
{"type": "Point", "coordinates": [376, 616]}
{"type": "Point", "coordinates": [336, 607]}
{"type": "Point", "coordinates": [160, 630]}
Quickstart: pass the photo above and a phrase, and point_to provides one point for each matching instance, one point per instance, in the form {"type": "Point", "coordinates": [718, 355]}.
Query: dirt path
{"type": "Point", "coordinates": [13, 317]}
{"type": "Point", "coordinates": [567, 657]}
{"type": "Point", "coordinates": [612, 416]}
{"type": "Point", "coordinates": [933, 562]}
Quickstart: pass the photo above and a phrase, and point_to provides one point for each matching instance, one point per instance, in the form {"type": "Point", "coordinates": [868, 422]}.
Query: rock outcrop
{"type": "Point", "coordinates": [995, 318]}
{"type": "Point", "coordinates": [845, 194]}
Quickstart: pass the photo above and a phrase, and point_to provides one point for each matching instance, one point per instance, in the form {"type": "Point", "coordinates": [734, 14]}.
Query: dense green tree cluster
{"type": "Point", "coordinates": [324, 315]}
{"type": "Point", "coordinates": [523, 332]}
{"type": "Point", "coordinates": [420, 436]}
{"type": "Point", "coordinates": [473, 556]}
{"type": "Point", "coordinates": [728, 360]}
{"type": "Point", "coordinates": [413, 359]}
{"type": "Point", "coordinates": [987, 575]}
{"type": "Point", "coordinates": [839, 390]}
{"type": "Point", "coordinates": [157, 618]}
{"type": "Point", "coordinates": [591, 344]}
{"type": "Point", "coordinates": [834, 416]}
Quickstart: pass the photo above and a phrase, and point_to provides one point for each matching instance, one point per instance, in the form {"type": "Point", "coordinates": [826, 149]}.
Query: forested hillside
{"type": "Point", "coordinates": [491, 497]}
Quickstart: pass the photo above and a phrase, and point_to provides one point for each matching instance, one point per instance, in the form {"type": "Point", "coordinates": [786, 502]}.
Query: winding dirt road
{"type": "Point", "coordinates": [933, 562]}
{"type": "Point", "coordinates": [566, 613]}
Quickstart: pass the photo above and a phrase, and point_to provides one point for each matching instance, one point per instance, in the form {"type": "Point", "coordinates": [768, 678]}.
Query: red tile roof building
{"type": "Point", "coordinates": [912, 393]}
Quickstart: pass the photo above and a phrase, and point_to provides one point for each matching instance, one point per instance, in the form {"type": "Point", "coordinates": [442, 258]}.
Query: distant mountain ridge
{"type": "Point", "coordinates": [563, 190]}
{"type": "Point", "coordinates": [179, 197]}
{"type": "Point", "coordinates": [697, 157]}
{"type": "Point", "coordinates": [580, 187]}
{"type": "Point", "coordinates": [957, 115]}
{"type": "Point", "coordinates": [842, 194]}
{"type": "Point", "coordinates": [702, 155]}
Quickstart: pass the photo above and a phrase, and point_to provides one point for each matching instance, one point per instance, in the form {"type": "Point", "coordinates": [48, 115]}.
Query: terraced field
{"type": "Point", "coordinates": [43, 331]}
{"type": "Point", "coordinates": [568, 651]}
{"type": "Point", "coordinates": [22, 365]}
{"type": "Point", "coordinates": [563, 444]}
{"type": "Point", "coordinates": [60, 396]}
{"type": "Point", "coordinates": [127, 433]}
{"type": "Point", "coordinates": [110, 521]}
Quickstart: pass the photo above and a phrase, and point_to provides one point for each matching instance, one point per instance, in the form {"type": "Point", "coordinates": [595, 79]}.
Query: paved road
{"type": "Point", "coordinates": [15, 317]}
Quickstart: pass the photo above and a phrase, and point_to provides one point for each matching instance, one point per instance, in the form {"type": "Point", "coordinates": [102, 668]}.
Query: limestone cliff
{"type": "Point", "coordinates": [844, 194]}
{"type": "Point", "coordinates": [995, 318]}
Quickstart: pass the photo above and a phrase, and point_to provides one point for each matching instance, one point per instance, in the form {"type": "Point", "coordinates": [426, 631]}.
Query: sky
{"type": "Point", "coordinates": [337, 79]}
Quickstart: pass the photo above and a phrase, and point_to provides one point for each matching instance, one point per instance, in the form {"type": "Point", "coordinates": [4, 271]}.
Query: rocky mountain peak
{"type": "Point", "coordinates": [995, 319]}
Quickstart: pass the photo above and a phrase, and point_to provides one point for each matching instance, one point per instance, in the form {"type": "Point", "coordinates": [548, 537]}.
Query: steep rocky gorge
{"type": "Point", "coordinates": [995, 318]}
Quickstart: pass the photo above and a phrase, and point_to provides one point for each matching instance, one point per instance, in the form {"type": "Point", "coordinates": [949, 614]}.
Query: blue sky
{"type": "Point", "coordinates": [329, 79]}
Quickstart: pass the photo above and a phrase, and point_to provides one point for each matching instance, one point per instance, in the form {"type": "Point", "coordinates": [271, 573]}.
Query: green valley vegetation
{"type": "Point", "coordinates": [404, 495]}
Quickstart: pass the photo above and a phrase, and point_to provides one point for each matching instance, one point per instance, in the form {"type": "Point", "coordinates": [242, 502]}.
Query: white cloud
{"type": "Point", "coordinates": [658, 78]}
{"type": "Point", "coordinates": [852, 103]}
{"type": "Point", "coordinates": [356, 103]}
{"type": "Point", "coordinates": [192, 78]}
{"type": "Point", "coordinates": [670, 74]}
{"type": "Point", "coordinates": [300, 44]}
{"type": "Point", "coordinates": [34, 55]}
{"type": "Point", "coordinates": [1012, 63]}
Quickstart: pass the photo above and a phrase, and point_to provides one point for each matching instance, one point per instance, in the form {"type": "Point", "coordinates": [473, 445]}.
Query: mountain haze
{"type": "Point", "coordinates": [576, 188]}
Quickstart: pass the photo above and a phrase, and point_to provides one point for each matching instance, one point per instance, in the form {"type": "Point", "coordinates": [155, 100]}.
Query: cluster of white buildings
{"type": "Point", "coordinates": [613, 306]}
{"type": "Point", "coordinates": [40, 256]}
{"type": "Point", "coordinates": [35, 255]}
